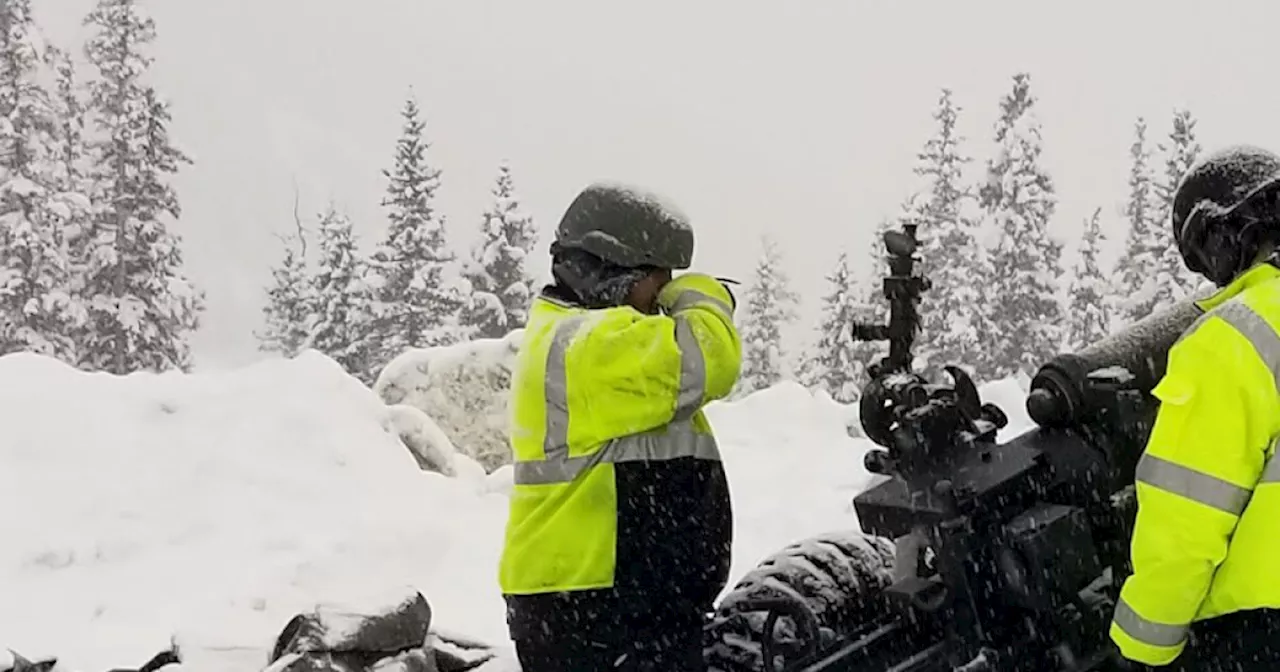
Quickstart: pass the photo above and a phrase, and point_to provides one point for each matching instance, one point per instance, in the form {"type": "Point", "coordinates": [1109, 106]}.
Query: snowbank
{"type": "Point", "coordinates": [214, 507]}
{"type": "Point", "coordinates": [463, 387]}
{"type": "Point", "coordinates": [793, 469]}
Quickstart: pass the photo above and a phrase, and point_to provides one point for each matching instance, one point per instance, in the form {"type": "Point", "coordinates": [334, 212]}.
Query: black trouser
{"type": "Point", "coordinates": [1239, 642]}
{"type": "Point", "coordinates": [594, 632]}
{"type": "Point", "coordinates": [614, 652]}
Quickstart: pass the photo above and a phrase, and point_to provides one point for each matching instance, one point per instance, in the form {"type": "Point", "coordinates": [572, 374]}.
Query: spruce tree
{"type": "Point", "coordinates": [37, 312]}
{"type": "Point", "coordinates": [142, 308]}
{"type": "Point", "coordinates": [342, 303]}
{"type": "Point", "coordinates": [1088, 313]}
{"type": "Point", "coordinates": [69, 140]}
{"type": "Point", "coordinates": [28, 114]}
{"type": "Point", "coordinates": [417, 297]}
{"type": "Point", "coordinates": [1136, 268]}
{"type": "Point", "coordinates": [290, 308]}
{"type": "Point", "coordinates": [835, 363]}
{"type": "Point", "coordinates": [769, 305]}
{"type": "Point", "coordinates": [502, 284]}
{"type": "Point", "coordinates": [1181, 149]}
{"type": "Point", "coordinates": [1024, 319]}
{"type": "Point", "coordinates": [950, 253]}
{"type": "Point", "coordinates": [70, 208]}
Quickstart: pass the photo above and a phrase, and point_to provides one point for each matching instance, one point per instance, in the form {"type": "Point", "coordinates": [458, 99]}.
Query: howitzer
{"type": "Point", "coordinates": [1009, 555]}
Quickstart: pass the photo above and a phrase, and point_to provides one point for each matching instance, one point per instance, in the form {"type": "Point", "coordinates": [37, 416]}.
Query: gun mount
{"type": "Point", "coordinates": [1009, 555]}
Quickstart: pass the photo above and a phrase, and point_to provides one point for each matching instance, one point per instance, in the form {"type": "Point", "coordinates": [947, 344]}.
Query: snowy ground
{"type": "Point", "coordinates": [212, 507]}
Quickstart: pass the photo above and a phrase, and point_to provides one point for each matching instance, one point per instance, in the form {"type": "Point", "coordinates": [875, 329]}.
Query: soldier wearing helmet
{"type": "Point", "coordinates": [1207, 534]}
{"type": "Point", "coordinates": [620, 526]}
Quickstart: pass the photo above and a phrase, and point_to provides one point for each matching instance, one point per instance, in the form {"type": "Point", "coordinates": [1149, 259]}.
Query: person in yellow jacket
{"type": "Point", "coordinates": [620, 526]}
{"type": "Point", "coordinates": [1206, 543]}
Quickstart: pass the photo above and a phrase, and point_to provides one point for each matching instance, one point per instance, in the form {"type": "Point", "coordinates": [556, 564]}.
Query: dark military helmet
{"type": "Point", "coordinates": [627, 227]}
{"type": "Point", "coordinates": [1224, 209]}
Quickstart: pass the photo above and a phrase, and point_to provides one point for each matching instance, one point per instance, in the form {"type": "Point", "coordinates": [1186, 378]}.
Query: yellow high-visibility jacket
{"type": "Point", "coordinates": [1207, 537]}
{"type": "Point", "coordinates": [618, 481]}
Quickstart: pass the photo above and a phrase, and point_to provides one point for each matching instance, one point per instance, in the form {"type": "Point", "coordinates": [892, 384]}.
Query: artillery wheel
{"type": "Point", "coordinates": [837, 577]}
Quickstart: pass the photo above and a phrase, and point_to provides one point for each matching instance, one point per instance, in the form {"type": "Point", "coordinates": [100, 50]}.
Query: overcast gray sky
{"type": "Point", "coordinates": [798, 118]}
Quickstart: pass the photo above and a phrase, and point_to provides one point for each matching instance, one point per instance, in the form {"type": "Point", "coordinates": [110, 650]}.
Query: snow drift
{"type": "Point", "coordinates": [215, 506]}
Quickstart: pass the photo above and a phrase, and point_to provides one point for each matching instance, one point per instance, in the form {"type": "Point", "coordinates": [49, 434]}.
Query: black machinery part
{"type": "Point", "coordinates": [1058, 390]}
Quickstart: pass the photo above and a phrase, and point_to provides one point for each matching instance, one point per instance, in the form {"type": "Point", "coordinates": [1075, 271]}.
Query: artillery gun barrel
{"type": "Point", "coordinates": [1059, 389]}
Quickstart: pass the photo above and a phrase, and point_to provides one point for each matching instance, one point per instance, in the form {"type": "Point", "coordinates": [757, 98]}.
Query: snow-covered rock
{"type": "Point", "coordinates": [425, 440]}
{"type": "Point", "coordinates": [463, 387]}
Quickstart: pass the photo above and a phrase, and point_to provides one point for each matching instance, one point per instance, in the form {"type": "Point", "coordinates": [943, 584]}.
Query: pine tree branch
{"type": "Point", "coordinates": [297, 220]}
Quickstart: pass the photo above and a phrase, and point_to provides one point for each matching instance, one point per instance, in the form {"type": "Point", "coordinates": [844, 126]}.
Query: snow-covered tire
{"type": "Point", "coordinates": [838, 576]}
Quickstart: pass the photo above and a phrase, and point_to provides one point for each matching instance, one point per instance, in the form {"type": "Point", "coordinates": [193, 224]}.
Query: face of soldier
{"type": "Point", "coordinates": [644, 294]}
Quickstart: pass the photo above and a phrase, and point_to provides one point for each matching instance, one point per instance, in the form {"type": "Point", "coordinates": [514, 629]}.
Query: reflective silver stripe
{"type": "Point", "coordinates": [1148, 632]}
{"type": "Point", "coordinates": [1271, 472]}
{"type": "Point", "coordinates": [693, 371]}
{"type": "Point", "coordinates": [1256, 330]}
{"type": "Point", "coordinates": [678, 439]}
{"type": "Point", "coordinates": [1252, 326]}
{"type": "Point", "coordinates": [691, 297]}
{"type": "Point", "coordinates": [556, 387]}
{"type": "Point", "coordinates": [1194, 485]}
{"type": "Point", "coordinates": [673, 441]}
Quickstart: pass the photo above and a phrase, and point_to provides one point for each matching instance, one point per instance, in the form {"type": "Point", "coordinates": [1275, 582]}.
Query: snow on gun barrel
{"type": "Point", "coordinates": [1138, 354]}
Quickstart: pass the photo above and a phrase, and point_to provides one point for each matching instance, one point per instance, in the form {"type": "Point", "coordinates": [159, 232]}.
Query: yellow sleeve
{"type": "Point", "coordinates": [1205, 454]}
{"type": "Point", "coordinates": [646, 371]}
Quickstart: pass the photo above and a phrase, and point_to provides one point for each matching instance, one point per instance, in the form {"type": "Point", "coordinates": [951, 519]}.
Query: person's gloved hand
{"type": "Point", "coordinates": [691, 288]}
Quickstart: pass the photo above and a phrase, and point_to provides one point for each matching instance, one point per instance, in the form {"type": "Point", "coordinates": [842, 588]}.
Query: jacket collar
{"type": "Point", "coordinates": [1263, 271]}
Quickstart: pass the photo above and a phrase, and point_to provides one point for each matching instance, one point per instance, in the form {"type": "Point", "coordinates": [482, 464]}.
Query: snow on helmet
{"type": "Point", "coordinates": [1224, 208]}
{"type": "Point", "coordinates": [627, 227]}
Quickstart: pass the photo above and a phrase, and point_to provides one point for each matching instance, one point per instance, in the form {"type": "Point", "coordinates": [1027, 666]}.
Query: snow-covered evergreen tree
{"type": "Point", "coordinates": [290, 309]}
{"type": "Point", "coordinates": [769, 305]}
{"type": "Point", "coordinates": [142, 308]}
{"type": "Point", "coordinates": [835, 363]}
{"type": "Point", "coordinates": [27, 109]}
{"type": "Point", "coordinates": [1088, 313]}
{"type": "Point", "coordinates": [343, 300]}
{"type": "Point", "coordinates": [950, 253]}
{"type": "Point", "coordinates": [1024, 321]}
{"type": "Point", "coordinates": [69, 207]}
{"type": "Point", "coordinates": [1181, 149]}
{"type": "Point", "coordinates": [418, 297]}
{"type": "Point", "coordinates": [502, 284]}
{"type": "Point", "coordinates": [1136, 268]}
{"type": "Point", "coordinates": [69, 140]}
{"type": "Point", "coordinates": [37, 312]}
